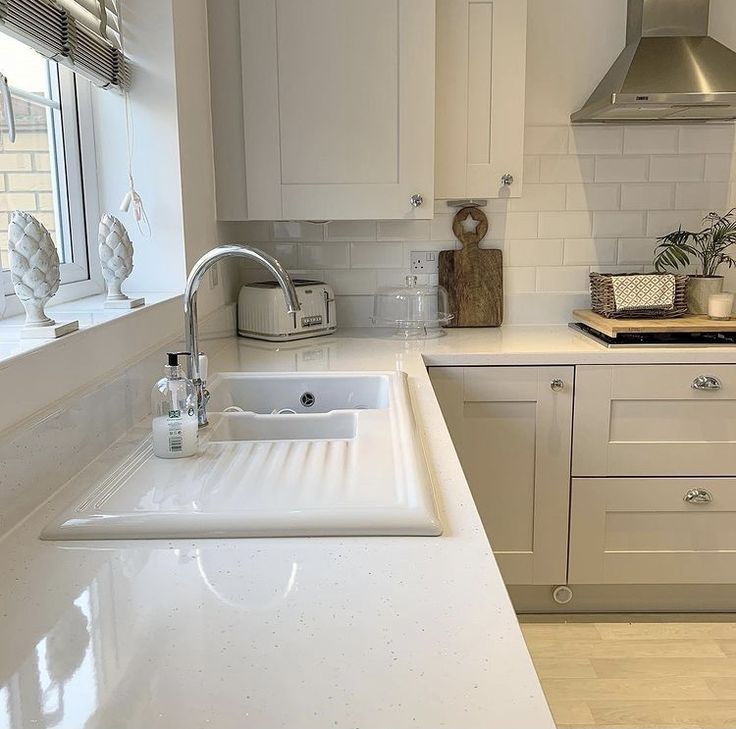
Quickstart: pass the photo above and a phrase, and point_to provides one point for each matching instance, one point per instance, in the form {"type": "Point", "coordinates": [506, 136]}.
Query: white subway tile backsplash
{"type": "Point", "coordinates": [545, 140]}
{"type": "Point", "coordinates": [593, 196]}
{"type": "Point", "coordinates": [540, 197]}
{"type": "Point", "coordinates": [354, 311]}
{"type": "Point", "coordinates": [662, 222]}
{"type": "Point", "coordinates": [300, 231]}
{"type": "Point", "coordinates": [621, 169]}
{"type": "Point", "coordinates": [719, 167]}
{"type": "Point", "coordinates": [619, 224]}
{"type": "Point", "coordinates": [351, 230]}
{"type": "Point", "coordinates": [568, 168]}
{"type": "Point", "coordinates": [403, 229]}
{"type": "Point", "coordinates": [519, 279]}
{"type": "Point", "coordinates": [636, 251]}
{"type": "Point", "coordinates": [512, 225]}
{"type": "Point", "coordinates": [531, 169]}
{"type": "Point", "coordinates": [567, 224]}
{"type": "Point", "coordinates": [702, 195]}
{"type": "Point", "coordinates": [378, 255]}
{"type": "Point", "coordinates": [441, 226]}
{"type": "Point", "coordinates": [351, 281]}
{"type": "Point", "coordinates": [324, 255]}
{"type": "Point", "coordinates": [590, 251]}
{"type": "Point", "coordinates": [707, 138]}
{"type": "Point", "coordinates": [563, 279]}
{"type": "Point", "coordinates": [677, 168]}
{"type": "Point", "coordinates": [286, 253]}
{"type": "Point", "coordinates": [596, 140]}
{"type": "Point", "coordinates": [543, 308]}
{"type": "Point", "coordinates": [650, 140]}
{"type": "Point", "coordinates": [540, 252]}
{"type": "Point", "coordinates": [647, 196]}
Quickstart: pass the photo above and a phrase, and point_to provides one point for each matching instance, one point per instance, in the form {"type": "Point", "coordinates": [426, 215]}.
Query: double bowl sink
{"type": "Point", "coordinates": [318, 454]}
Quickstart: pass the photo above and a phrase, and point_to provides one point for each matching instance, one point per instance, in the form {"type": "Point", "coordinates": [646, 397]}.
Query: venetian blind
{"type": "Point", "coordinates": [81, 34]}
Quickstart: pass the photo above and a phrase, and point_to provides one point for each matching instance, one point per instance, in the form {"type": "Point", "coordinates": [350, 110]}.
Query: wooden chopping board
{"type": "Point", "coordinates": [691, 323]}
{"type": "Point", "coordinates": [473, 277]}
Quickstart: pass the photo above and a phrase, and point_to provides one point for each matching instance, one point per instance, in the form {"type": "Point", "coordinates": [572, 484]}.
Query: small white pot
{"type": "Point", "coordinates": [699, 288]}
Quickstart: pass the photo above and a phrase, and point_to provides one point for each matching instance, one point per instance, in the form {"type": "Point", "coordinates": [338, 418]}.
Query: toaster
{"type": "Point", "coordinates": [262, 312]}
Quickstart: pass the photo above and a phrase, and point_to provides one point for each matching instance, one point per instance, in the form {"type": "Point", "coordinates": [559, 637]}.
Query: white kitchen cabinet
{"type": "Point", "coordinates": [655, 420]}
{"type": "Point", "coordinates": [653, 531]}
{"type": "Point", "coordinates": [481, 62]}
{"type": "Point", "coordinates": [323, 109]}
{"type": "Point", "coordinates": [511, 427]}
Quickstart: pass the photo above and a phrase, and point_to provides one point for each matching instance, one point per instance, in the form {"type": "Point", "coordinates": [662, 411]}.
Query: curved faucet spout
{"type": "Point", "coordinates": [190, 304]}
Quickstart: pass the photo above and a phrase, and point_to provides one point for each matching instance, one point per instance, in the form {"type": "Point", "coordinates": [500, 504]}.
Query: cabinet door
{"type": "Point", "coordinates": [653, 531]}
{"type": "Point", "coordinates": [655, 420]}
{"type": "Point", "coordinates": [338, 102]}
{"type": "Point", "coordinates": [481, 65]}
{"type": "Point", "coordinates": [511, 430]}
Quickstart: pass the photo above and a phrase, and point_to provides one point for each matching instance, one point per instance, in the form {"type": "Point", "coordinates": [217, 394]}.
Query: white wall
{"type": "Point", "coordinates": [595, 198]}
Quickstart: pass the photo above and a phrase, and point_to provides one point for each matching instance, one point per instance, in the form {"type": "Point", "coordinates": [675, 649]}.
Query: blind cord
{"type": "Point", "coordinates": [132, 197]}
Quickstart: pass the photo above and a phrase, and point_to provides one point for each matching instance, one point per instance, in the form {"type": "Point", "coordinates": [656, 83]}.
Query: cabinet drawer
{"type": "Point", "coordinates": [655, 420]}
{"type": "Point", "coordinates": [645, 531]}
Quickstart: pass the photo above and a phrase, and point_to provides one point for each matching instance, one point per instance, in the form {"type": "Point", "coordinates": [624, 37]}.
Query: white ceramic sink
{"type": "Point", "coordinates": [229, 427]}
{"type": "Point", "coordinates": [345, 461]}
{"type": "Point", "coordinates": [302, 393]}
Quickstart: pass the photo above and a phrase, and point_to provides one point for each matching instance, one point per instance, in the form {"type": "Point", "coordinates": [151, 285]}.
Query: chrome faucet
{"type": "Point", "coordinates": [197, 361]}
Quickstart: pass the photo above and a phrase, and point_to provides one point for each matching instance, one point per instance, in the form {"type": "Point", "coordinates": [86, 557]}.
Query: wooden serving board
{"type": "Point", "coordinates": [473, 277]}
{"type": "Point", "coordinates": [612, 327]}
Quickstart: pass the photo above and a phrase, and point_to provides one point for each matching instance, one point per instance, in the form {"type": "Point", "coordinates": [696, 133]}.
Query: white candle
{"type": "Point", "coordinates": [720, 306]}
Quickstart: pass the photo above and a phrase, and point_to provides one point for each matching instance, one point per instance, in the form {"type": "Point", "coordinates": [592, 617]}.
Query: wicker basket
{"type": "Point", "coordinates": [603, 301]}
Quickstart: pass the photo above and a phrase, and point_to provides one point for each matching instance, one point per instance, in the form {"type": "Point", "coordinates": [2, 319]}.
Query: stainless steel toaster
{"type": "Point", "coordinates": [262, 312]}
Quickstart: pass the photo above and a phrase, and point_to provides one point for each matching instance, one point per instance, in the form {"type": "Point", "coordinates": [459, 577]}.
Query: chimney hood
{"type": "Point", "coordinates": [671, 70]}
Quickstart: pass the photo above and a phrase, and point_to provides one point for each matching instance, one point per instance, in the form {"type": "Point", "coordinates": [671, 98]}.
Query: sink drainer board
{"type": "Point", "coordinates": [356, 469]}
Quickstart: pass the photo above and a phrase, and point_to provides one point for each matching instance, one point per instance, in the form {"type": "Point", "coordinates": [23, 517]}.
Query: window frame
{"type": "Point", "coordinates": [75, 192]}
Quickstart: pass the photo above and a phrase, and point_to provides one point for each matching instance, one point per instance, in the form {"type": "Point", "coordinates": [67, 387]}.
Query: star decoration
{"type": "Point", "coordinates": [469, 224]}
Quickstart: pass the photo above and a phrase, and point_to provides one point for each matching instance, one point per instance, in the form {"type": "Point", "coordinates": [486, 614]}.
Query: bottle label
{"type": "Point", "coordinates": [176, 435]}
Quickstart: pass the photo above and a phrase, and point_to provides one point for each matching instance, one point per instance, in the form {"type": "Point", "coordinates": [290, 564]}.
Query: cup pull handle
{"type": "Point", "coordinates": [706, 382]}
{"type": "Point", "coordinates": [698, 496]}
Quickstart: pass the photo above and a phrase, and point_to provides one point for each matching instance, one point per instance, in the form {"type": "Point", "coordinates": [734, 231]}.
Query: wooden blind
{"type": "Point", "coordinates": [81, 34]}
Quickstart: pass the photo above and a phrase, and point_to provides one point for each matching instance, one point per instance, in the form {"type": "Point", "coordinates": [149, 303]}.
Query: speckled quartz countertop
{"type": "Point", "coordinates": [303, 633]}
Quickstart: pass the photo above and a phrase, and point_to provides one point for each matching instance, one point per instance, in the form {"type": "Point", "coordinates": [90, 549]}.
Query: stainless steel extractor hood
{"type": "Point", "coordinates": [671, 70]}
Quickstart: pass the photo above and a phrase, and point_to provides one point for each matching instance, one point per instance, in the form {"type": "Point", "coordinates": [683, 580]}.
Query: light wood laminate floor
{"type": "Point", "coordinates": [637, 671]}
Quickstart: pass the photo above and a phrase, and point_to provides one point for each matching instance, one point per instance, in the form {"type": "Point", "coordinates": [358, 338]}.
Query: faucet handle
{"type": "Point", "coordinates": [203, 366]}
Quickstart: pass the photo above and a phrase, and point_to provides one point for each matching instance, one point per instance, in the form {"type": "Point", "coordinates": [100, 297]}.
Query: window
{"type": "Point", "coordinates": [41, 172]}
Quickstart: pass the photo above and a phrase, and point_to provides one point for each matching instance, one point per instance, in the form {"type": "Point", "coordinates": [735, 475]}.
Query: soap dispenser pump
{"type": "Point", "coordinates": [174, 412]}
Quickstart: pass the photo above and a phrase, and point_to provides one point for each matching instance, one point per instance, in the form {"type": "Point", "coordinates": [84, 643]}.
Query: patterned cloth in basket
{"type": "Point", "coordinates": [644, 291]}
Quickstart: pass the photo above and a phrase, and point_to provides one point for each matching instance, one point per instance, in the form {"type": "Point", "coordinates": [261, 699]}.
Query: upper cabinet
{"type": "Point", "coordinates": [326, 109]}
{"type": "Point", "coordinates": [481, 61]}
{"type": "Point", "coordinates": [336, 108]}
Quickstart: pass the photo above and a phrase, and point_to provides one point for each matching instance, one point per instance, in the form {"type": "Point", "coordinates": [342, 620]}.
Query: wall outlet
{"type": "Point", "coordinates": [424, 261]}
{"type": "Point", "coordinates": [214, 276]}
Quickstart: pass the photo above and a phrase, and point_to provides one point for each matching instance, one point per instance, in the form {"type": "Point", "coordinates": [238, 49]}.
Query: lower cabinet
{"type": "Point", "coordinates": [653, 531]}
{"type": "Point", "coordinates": [511, 427]}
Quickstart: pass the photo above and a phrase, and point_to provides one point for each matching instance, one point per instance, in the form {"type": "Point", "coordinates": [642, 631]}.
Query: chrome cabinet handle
{"type": "Point", "coordinates": [556, 385]}
{"type": "Point", "coordinates": [507, 180]}
{"type": "Point", "coordinates": [698, 496]}
{"type": "Point", "coordinates": [706, 382]}
{"type": "Point", "coordinates": [416, 200]}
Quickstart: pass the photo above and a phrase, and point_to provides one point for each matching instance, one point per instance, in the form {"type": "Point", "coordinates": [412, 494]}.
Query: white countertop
{"type": "Point", "coordinates": [370, 632]}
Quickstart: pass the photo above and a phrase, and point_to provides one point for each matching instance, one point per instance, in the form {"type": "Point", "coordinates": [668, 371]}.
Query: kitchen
{"type": "Point", "coordinates": [536, 556]}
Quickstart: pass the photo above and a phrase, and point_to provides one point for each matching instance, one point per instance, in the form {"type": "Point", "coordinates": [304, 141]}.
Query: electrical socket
{"type": "Point", "coordinates": [214, 277]}
{"type": "Point", "coordinates": [424, 262]}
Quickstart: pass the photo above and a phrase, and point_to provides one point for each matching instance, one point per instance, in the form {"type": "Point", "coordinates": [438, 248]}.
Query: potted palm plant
{"type": "Point", "coordinates": [707, 248]}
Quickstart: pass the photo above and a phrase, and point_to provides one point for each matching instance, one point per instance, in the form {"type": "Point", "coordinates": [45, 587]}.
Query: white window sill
{"type": "Point", "coordinates": [89, 311]}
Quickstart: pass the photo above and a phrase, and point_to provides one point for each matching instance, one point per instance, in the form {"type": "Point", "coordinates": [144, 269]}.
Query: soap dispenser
{"type": "Point", "coordinates": [174, 412]}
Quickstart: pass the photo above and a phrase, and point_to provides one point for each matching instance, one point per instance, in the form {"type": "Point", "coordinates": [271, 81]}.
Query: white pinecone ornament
{"type": "Point", "coordinates": [116, 255]}
{"type": "Point", "coordinates": [34, 266]}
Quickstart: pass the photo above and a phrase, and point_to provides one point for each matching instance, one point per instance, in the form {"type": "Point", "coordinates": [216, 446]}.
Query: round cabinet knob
{"type": "Point", "coordinates": [416, 200]}
{"type": "Point", "coordinates": [507, 179]}
{"type": "Point", "coordinates": [556, 385]}
{"type": "Point", "coordinates": [698, 496]}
